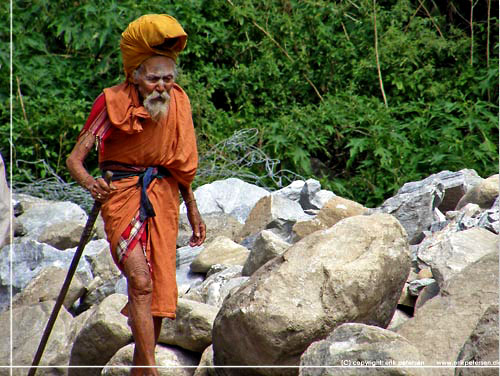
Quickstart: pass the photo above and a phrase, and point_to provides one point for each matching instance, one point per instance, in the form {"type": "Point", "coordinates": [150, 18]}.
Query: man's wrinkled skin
{"type": "Point", "coordinates": [154, 79]}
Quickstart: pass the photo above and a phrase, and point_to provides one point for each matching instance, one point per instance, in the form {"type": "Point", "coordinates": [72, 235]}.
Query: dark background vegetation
{"type": "Point", "coordinates": [302, 72]}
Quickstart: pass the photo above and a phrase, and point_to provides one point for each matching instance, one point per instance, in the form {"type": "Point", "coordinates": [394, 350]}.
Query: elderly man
{"type": "Point", "coordinates": [144, 134]}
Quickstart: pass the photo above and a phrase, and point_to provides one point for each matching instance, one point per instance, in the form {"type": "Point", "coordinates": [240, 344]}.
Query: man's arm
{"type": "Point", "coordinates": [194, 217]}
{"type": "Point", "coordinates": [98, 188]}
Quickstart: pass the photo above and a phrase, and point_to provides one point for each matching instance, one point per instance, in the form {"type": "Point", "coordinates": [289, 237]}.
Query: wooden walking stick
{"type": "Point", "coordinates": [71, 272]}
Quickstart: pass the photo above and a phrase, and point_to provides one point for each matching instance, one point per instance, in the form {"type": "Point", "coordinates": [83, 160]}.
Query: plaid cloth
{"type": "Point", "coordinates": [134, 233]}
{"type": "Point", "coordinates": [98, 122]}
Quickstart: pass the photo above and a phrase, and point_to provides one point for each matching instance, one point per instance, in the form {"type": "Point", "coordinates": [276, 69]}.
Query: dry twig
{"type": "Point", "coordinates": [376, 53]}
{"type": "Point", "coordinates": [21, 98]}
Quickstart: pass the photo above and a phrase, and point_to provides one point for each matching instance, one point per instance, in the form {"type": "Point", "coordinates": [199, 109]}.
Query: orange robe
{"type": "Point", "coordinates": [136, 140]}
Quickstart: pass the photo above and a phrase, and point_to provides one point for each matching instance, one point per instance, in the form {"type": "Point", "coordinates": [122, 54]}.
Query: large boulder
{"type": "Point", "coordinates": [170, 361]}
{"type": "Point", "coordinates": [231, 196]}
{"type": "Point", "coordinates": [221, 250]}
{"type": "Point", "coordinates": [267, 246]}
{"type": "Point", "coordinates": [273, 212]}
{"type": "Point", "coordinates": [334, 210]}
{"type": "Point", "coordinates": [451, 252]}
{"type": "Point", "coordinates": [28, 324]}
{"type": "Point", "coordinates": [443, 324]}
{"type": "Point", "coordinates": [192, 327]}
{"type": "Point", "coordinates": [369, 348]}
{"type": "Point", "coordinates": [481, 349]}
{"type": "Point", "coordinates": [46, 286]}
{"type": "Point", "coordinates": [102, 335]}
{"type": "Point", "coordinates": [355, 272]}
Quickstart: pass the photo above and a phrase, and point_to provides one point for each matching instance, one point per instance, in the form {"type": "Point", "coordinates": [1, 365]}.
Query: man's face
{"type": "Point", "coordinates": [154, 80]}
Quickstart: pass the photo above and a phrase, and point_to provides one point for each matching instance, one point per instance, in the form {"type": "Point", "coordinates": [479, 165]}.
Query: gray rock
{"type": "Point", "coordinates": [205, 368]}
{"type": "Point", "coordinates": [406, 299]}
{"type": "Point", "coordinates": [192, 327]}
{"type": "Point", "coordinates": [490, 219]}
{"type": "Point", "coordinates": [355, 272]}
{"type": "Point", "coordinates": [217, 268]}
{"type": "Point", "coordinates": [23, 202]}
{"type": "Point", "coordinates": [312, 196]}
{"type": "Point", "coordinates": [28, 324]}
{"type": "Point", "coordinates": [291, 191]}
{"type": "Point", "coordinates": [106, 274]}
{"type": "Point", "coordinates": [169, 359]}
{"type": "Point", "coordinates": [186, 279]}
{"type": "Point", "coordinates": [267, 246]}
{"type": "Point", "coordinates": [481, 348]}
{"type": "Point", "coordinates": [483, 194]}
{"type": "Point", "coordinates": [471, 215]}
{"type": "Point", "coordinates": [46, 286]}
{"type": "Point", "coordinates": [414, 208]}
{"type": "Point", "coordinates": [418, 285]}
{"type": "Point", "coordinates": [444, 323]}
{"type": "Point", "coordinates": [399, 318]}
{"type": "Point", "coordinates": [28, 259]}
{"type": "Point", "coordinates": [121, 286]}
{"type": "Point", "coordinates": [451, 252]}
{"type": "Point", "coordinates": [427, 293]}
{"type": "Point", "coordinates": [37, 218]}
{"type": "Point", "coordinates": [320, 199]}
{"type": "Point", "coordinates": [231, 196]}
{"type": "Point", "coordinates": [454, 184]}
{"type": "Point", "coordinates": [99, 232]}
{"type": "Point", "coordinates": [186, 255]}
{"type": "Point", "coordinates": [273, 212]}
{"type": "Point", "coordinates": [217, 286]}
{"type": "Point", "coordinates": [62, 235]}
{"type": "Point", "coordinates": [361, 345]}
{"type": "Point", "coordinates": [78, 323]}
{"type": "Point", "coordinates": [221, 250]}
{"type": "Point", "coordinates": [218, 224]}
{"type": "Point", "coordinates": [104, 333]}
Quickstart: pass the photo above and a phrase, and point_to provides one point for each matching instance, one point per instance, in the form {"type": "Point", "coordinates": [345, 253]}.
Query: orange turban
{"type": "Point", "coordinates": [149, 35]}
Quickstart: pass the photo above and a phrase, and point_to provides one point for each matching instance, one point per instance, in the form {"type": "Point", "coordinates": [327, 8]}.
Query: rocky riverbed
{"type": "Point", "coordinates": [295, 279]}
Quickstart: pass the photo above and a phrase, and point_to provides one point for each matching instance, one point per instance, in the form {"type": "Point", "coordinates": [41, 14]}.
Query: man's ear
{"type": "Point", "coordinates": [134, 76]}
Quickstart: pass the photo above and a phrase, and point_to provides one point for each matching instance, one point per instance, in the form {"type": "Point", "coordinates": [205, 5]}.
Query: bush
{"type": "Point", "coordinates": [303, 73]}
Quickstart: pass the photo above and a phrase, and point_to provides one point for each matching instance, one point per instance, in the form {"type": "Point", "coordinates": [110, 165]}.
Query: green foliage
{"type": "Point", "coordinates": [301, 72]}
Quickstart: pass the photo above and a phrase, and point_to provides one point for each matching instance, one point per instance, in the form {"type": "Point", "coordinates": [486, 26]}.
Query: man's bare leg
{"type": "Point", "coordinates": [157, 321]}
{"type": "Point", "coordinates": [140, 290]}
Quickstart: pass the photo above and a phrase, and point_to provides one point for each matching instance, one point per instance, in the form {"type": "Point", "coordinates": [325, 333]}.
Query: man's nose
{"type": "Point", "coordinates": [161, 86]}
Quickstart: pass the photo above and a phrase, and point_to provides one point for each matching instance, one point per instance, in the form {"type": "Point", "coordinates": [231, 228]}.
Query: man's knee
{"type": "Point", "coordinates": [139, 281]}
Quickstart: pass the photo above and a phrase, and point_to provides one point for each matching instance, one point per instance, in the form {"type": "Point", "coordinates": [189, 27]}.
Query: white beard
{"type": "Point", "coordinates": [157, 104]}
